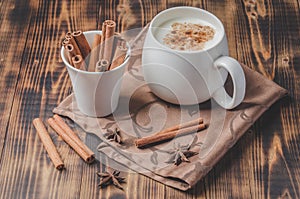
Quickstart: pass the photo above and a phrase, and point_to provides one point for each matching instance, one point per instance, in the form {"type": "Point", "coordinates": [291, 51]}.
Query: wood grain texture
{"type": "Point", "coordinates": [263, 164]}
{"type": "Point", "coordinates": [11, 51]}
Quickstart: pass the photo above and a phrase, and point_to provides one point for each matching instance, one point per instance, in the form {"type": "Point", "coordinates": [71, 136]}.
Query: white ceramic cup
{"type": "Point", "coordinates": [191, 77]}
{"type": "Point", "coordinates": [97, 93]}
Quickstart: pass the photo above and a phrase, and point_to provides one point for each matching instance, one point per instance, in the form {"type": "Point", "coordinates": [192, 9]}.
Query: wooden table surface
{"type": "Point", "coordinates": [262, 34]}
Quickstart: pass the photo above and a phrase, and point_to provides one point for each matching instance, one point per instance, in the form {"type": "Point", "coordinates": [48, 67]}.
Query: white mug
{"type": "Point", "coordinates": [97, 93]}
{"type": "Point", "coordinates": [191, 77]}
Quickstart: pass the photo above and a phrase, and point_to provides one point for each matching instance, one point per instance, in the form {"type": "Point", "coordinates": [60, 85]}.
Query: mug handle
{"type": "Point", "coordinates": [239, 83]}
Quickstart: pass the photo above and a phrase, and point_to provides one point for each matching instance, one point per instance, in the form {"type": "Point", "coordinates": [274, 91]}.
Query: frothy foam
{"type": "Point", "coordinates": [165, 28]}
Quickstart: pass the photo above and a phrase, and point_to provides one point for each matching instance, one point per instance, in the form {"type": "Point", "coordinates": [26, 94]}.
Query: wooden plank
{"type": "Point", "coordinates": [262, 184]}
{"type": "Point", "coordinates": [277, 155]}
{"type": "Point", "coordinates": [229, 178]}
{"type": "Point", "coordinates": [12, 41]}
{"type": "Point", "coordinates": [43, 83]}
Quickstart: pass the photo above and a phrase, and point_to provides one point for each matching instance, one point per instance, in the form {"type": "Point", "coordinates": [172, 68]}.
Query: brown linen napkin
{"type": "Point", "coordinates": [140, 113]}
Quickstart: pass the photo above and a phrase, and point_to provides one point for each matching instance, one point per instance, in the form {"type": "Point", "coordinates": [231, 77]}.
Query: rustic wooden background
{"type": "Point", "coordinates": [263, 34]}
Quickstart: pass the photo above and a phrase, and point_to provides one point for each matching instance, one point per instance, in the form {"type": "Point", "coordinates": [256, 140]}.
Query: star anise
{"type": "Point", "coordinates": [108, 178]}
{"type": "Point", "coordinates": [113, 135]}
{"type": "Point", "coordinates": [181, 154]}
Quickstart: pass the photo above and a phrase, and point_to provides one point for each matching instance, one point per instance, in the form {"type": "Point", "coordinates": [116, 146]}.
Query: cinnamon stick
{"type": "Point", "coordinates": [72, 134]}
{"type": "Point", "coordinates": [65, 42]}
{"type": "Point", "coordinates": [76, 47]}
{"type": "Point", "coordinates": [116, 40]}
{"type": "Point", "coordinates": [68, 35]}
{"type": "Point", "coordinates": [82, 43]}
{"type": "Point", "coordinates": [48, 143]}
{"type": "Point", "coordinates": [97, 41]}
{"type": "Point", "coordinates": [78, 62]}
{"type": "Point", "coordinates": [102, 41]}
{"type": "Point", "coordinates": [71, 52]}
{"type": "Point", "coordinates": [142, 142]}
{"type": "Point", "coordinates": [109, 39]}
{"type": "Point", "coordinates": [119, 57]}
{"type": "Point", "coordinates": [94, 53]}
{"type": "Point", "coordinates": [102, 65]}
{"type": "Point", "coordinates": [181, 126]}
{"type": "Point", "coordinates": [82, 153]}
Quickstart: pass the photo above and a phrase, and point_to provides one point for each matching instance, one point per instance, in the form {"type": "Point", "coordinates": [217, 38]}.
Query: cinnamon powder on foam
{"type": "Point", "coordinates": [188, 36]}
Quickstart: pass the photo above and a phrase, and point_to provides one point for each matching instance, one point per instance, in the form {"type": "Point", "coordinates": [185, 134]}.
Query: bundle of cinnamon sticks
{"type": "Point", "coordinates": [170, 133]}
{"type": "Point", "coordinates": [67, 134]}
{"type": "Point", "coordinates": [107, 52]}
{"type": "Point", "coordinates": [78, 49]}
